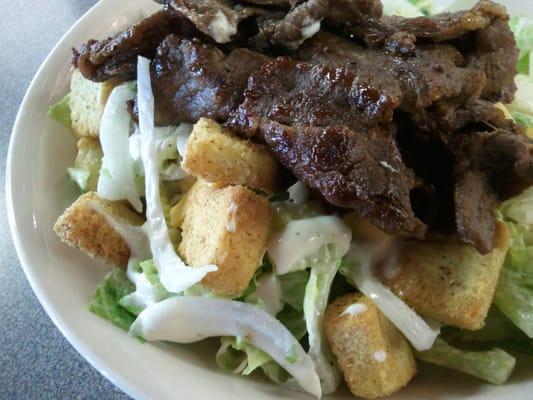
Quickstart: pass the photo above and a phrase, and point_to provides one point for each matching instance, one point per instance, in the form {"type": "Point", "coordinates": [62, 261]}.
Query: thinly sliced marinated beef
{"type": "Point", "coordinates": [192, 80]}
{"type": "Point", "coordinates": [334, 133]}
{"type": "Point", "coordinates": [295, 93]}
{"type": "Point", "coordinates": [475, 205]}
{"type": "Point", "coordinates": [116, 57]}
{"type": "Point", "coordinates": [219, 19]}
{"type": "Point", "coordinates": [438, 28]}
{"type": "Point", "coordinates": [392, 117]}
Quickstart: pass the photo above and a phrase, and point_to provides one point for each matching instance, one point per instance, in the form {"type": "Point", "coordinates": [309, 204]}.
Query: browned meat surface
{"type": "Point", "coordinates": [439, 28]}
{"type": "Point", "coordinates": [191, 80]}
{"type": "Point", "coordinates": [392, 117]}
{"type": "Point", "coordinates": [116, 58]}
{"type": "Point", "coordinates": [336, 135]}
{"type": "Point", "coordinates": [436, 84]}
{"type": "Point", "coordinates": [219, 19]}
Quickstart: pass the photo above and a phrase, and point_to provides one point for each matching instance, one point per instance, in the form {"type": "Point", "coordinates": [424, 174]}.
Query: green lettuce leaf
{"type": "Point", "coordinates": [523, 119]}
{"type": "Point", "coordinates": [105, 301]}
{"type": "Point", "coordinates": [294, 321]}
{"type": "Point", "coordinates": [87, 166]}
{"type": "Point", "coordinates": [522, 28]}
{"type": "Point", "coordinates": [61, 112]}
{"type": "Point", "coordinates": [239, 357]}
{"type": "Point", "coordinates": [293, 288]}
{"type": "Point", "coordinates": [514, 292]}
{"type": "Point", "coordinates": [494, 366]}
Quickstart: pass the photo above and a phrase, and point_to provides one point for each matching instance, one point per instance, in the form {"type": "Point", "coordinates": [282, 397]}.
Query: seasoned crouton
{"type": "Point", "coordinates": [450, 282]}
{"type": "Point", "coordinates": [215, 155]}
{"type": "Point", "coordinates": [84, 227]}
{"type": "Point", "coordinates": [87, 102]}
{"type": "Point", "coordinates": [373, 355]}
{"type": "Point", "coordinates": [227, 227]}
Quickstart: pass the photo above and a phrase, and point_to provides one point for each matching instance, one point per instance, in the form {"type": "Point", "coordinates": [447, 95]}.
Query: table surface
{"type": "Point", "coordinates": [36, 362]}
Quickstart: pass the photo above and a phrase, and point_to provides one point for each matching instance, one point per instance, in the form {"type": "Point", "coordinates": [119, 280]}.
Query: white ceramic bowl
{"type": "Point", "coordinates": [64, 279]}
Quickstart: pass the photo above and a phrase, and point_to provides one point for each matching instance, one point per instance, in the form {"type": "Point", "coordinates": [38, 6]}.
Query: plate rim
{"type": "Point", "coordinates": [127, 386]}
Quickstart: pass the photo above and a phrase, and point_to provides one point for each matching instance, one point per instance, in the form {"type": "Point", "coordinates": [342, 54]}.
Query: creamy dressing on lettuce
{"type": "Point", "coordinates": [192, 319]}
{"type": "Point", "coordinates": [300, 239]}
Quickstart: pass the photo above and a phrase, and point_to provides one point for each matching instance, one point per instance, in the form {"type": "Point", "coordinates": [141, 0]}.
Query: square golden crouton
{"type": "Point", "coordinates": [84, 227]}
{"type": "Point", "coordinates": [372, 354]}
{"type": "Point", "coordinates": [229, 228]}
{"type": "Point", "coordinates": [87, 102]}
{"type": "Point", "coordinates": [217, 156]}
{"type": "Point", "coordinates": [449, 282]}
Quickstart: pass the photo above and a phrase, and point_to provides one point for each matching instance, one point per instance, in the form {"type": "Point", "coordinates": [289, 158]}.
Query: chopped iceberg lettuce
{"type": "Point", "coordinates": [209, 317]}
{"type": "Point", "coordinates": [357, 268]}
{"type": "Point", "coordinates": [293, 288]}
{"type": "Point", "coordinates": [87, 165]}
{"type": "Point", "coordinates": [267, 293]}
{"type": "Point", "coordinates": [117, 177]}
{"type": "Point", "coordinates": [494, 366]}
{"type": "Point", "coordinates": [106, 300]}
{"type": "Point", "coordinates": [318, 243]}
{"type": "Point", "coordinates": [61, 111]}
{"type": "Point", "coordinates": [240, 357]}
{"type": "Point", "coordinates": [289, 249]}
{"type": "Point", "coordinates": [514, 292]}
{"type": "Point", "coordinates": [173, 273]}
{"type": "Point", "coordinates": [294, 321]}
{"type": "Point", "coordinates": [523, 100]}
{"type": "Point", "coordinates": [324, 266]}
{"type": "Point", "coordinates": [80, 177]}
{"type": "Point", "coordinates": [403, 8]}
{"type": "Point", "coordinates": [148, 287]}
{"type": "Point", "coordinates": [522, 27]}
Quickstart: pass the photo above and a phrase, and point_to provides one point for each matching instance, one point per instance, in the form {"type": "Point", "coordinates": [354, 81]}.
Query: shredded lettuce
{"type": "Point", "coordinates": [209, 317]}
{"type": "Point", "coordinates": [403, 8]}
{"type": "Point", "coordinates": [293, 288]}
{"type": "Point", "coordinates": [86, 171]}
{"type": "Point", "coordinates": [240, 357]}
{"type": "Point", "coordinates": [523, 101]}
{"type": "Point", "coordinates": [61, 112]}
{"type": "Point", "coordinates": [288, 250]}
{"type": "Point", "coordinates": [494, 366]}
{"type": "Point", "coordinates": [357, 268]}
{"type": "Point", "coordinates": [324, 266]}
{"type": "Point", "coordinates": [522, 27]}
{"type": "Point", "coordinates": [173, 273]}
{"type": "Point", "coordinates": [148, 287]}
{"type": "Point", "coordinates": [267, 293]}
{"type": "Point", "coordinates": [106, 300]}
{"type": "Point", "coordinates": [117, 177]}
{"type": "Point", "coordinates": [514, 292]}
{"type": "Point", "coordinates": [294, 321]}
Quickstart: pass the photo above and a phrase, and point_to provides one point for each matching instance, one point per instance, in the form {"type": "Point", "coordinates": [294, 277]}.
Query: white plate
{"type": "Point", "coordinates": [64, 279]}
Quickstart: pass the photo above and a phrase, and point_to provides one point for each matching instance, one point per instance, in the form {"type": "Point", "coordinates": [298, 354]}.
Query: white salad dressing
{"type": "Point", "coordinates": [300, 239]}
{"type": "Point", "coordinates": [298, 193]}
{"type": "Point", "coordinates": [355, 309]}
{"type": "Point", "coordinates": [231, 223]}
{"type": "Point", "coordinates": [267, 294]}
{"type": "Point", "coordinates": [421, 334]}
{"type": "Point", "coordinates": [174, 275]}
{"type": "Point", "coordinates": [221, 29]}
{"type": "Point", "coordinates": [210, 317]}
{"type": "Point", "coordinates": [380, 356]}
{"type": "Point", "coordinates": [117, 175]}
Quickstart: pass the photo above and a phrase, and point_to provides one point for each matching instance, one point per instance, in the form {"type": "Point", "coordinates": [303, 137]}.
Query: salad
{"type": "Point", "coordinates": [332, 190]}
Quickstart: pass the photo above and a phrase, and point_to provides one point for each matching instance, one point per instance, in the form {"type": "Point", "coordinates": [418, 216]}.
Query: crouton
{"type": "Point", "coordinates": [82, 226]}
{"type": "Point", "coordinates": [363, 230]}
{"type": "Point", "coordinates": [217, 156]}
{"type": "Point", "coordinates": [229, 228]}
{"type": "Point", "coordinates": [373, 355]}
{"type": "Point", "coordinates": [450, 282]}
{"type": "Point", "coordinates": [89, 159]}
{"type": "Point", "coordinates": [87, 102]}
